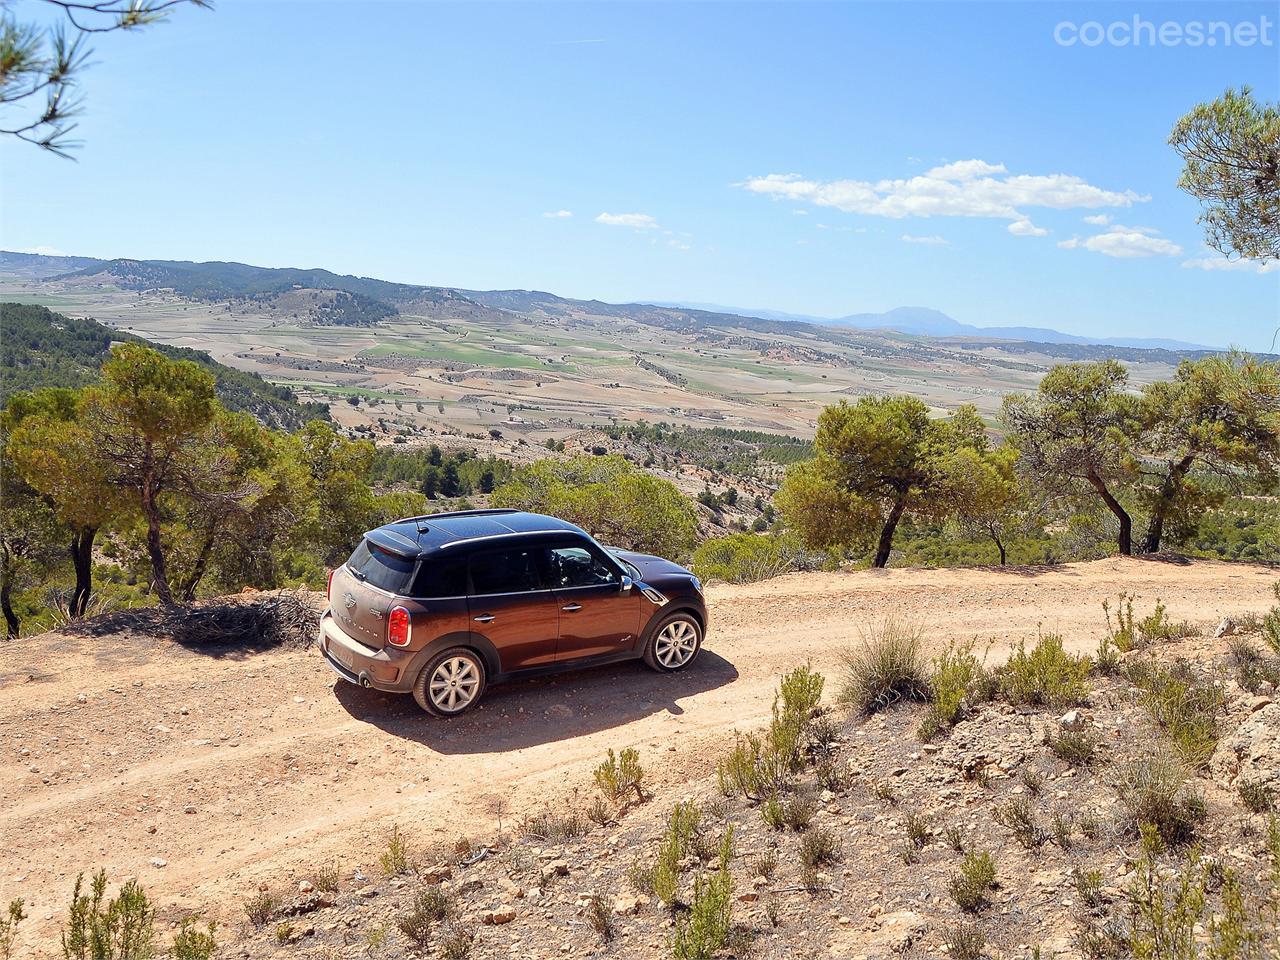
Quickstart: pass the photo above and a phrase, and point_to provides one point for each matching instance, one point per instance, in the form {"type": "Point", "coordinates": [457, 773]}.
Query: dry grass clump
{"type": "Point", "coordinates": [1128, 633]}
{"type": "Point", "coordinates": [394, 860]}
{"type": "Point", "coordinates": [1185, 706]}
{"type": "Point", "coordinates": [965, 941]}
{"type": "Point", "coordinates": [261, 907]}
{"type": "Point", "coordinates": [887, 666]}
{"type": "Point", "coordinates": [1020, 817]}
{"type": "Point", "coordinates": [432, 905]}
{"type": "Point", "coordinates": [1155, 794]}
{"type": "Point", "coordinates": [819, 848]}
{"type": "Point", "coordinates": [554, 827]}
{"type": "Point", "coordinates": [1079, 748]}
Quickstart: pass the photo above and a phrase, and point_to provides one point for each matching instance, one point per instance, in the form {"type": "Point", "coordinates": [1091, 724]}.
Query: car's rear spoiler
{"type": "Point", "coordinates": [393, 542]}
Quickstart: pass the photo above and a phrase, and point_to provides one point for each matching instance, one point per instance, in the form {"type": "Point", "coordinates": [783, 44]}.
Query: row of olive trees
{"type": "Point", "coordinates": [1082, 435]}
{"type": "Point", "coordinates": [151, 457]}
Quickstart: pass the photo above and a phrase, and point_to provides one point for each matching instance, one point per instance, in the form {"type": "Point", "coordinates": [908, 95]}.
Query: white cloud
{"type": "Point", "coordinates": [641, 221]}
{"type": "Point", "coordinates": [1098, 220]}
{"type": "Point", "coordinates": [1215, 261]}
{"type": "Point", "coordinates": [1025, 228]}
{"type": "Point", "coordinates": [1125, 242]}
{"type": "Point", "coordinates": [964, 188]}
{"type": "Point", "coordinates": [677, 244]}
{"type": "Point", "coordinates": [558, 214]}
{"type": "Point", "coordinates": [933, 240]}
{"type": "Point", "coordinates": [965, 170]}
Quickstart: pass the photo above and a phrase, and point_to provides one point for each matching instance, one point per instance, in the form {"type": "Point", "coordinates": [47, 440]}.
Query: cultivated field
{"type": "Point", "coordinates": [535, 376]}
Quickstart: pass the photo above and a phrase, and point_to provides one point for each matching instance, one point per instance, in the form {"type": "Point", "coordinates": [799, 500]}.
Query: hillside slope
{"type": "Point", "coordinates": [41, 348]}
{"type": "Point", "coordinates": [206, 773]}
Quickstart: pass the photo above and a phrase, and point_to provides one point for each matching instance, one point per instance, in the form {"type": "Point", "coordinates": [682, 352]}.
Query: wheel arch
{"type": "Point", "coordinates": [475, 642]}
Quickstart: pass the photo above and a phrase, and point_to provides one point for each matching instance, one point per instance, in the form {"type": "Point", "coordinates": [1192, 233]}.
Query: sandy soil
{"type": "Point", "coordinates": [205, 776]}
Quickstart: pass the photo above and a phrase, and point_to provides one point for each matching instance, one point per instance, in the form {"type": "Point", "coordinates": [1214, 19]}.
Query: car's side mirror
{"type": "Point", "coordinates": [627, 584]}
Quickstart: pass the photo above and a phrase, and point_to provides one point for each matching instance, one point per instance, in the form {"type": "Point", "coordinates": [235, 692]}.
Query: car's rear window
{"type": "Point", "coordinates": [380, 568]}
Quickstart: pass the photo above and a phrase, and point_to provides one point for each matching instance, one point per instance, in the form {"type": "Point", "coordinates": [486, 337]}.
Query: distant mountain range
{"type": "Point", "coordinates": [322, 297]}
{"type": "Point", "coordinates": [925, 322]}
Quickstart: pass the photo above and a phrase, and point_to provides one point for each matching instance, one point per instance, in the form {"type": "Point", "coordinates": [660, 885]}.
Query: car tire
{"type": "Point", "coordinates": [674, 643]}
{"type": "Point", "coordinates": [456, 675]}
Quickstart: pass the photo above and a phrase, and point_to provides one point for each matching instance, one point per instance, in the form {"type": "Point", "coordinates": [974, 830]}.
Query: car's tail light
{"type": "Point", "coordinates": [328, 587]}
{"type": "Point", "coordinates": [398, 627]}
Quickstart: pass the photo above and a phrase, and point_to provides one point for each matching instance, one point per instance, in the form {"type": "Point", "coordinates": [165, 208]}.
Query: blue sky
{"type": "Point", "coordinates": [767, 156]}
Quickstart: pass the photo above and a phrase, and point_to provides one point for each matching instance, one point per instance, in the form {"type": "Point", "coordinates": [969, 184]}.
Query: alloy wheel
{"type": "Point", "coordinates": [454, 684]}
{"type": "Point", "coordinates": [676, 644]}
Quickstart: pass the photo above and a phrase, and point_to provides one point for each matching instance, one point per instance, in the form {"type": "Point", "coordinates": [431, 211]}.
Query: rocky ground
{"type": "Point", "coordinates": [903, 813]}
{"type": "Point", "coordinates": [211, 775]}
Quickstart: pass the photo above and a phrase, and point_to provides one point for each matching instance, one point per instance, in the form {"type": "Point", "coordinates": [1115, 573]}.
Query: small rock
{"type": "Point", "coordinates": [1227, 628]}
{"type": "Point", "coordinates": [437, 874]}
{"type": "Point", "coordinates": [1073, 720]}
{"type": "Point", "coordinates": [628, 905]}
{"type": "Point", "coordinates": [159, 863]}
{"type": "Point", "coordinates": [499, 916]}
{"type": "Point", "coordinates": [559, 868]}
{"type": "Point", "coordinates": [306, 886]}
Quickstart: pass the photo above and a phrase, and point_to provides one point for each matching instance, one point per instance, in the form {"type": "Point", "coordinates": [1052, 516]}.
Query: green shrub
{"type": "Point", "coordinates": [683, 827]}
{"type": "Point", "coordinates": [1089, 885]}
{"type": "Point", "coordinates": [1178, 918]}
{"type": "Point", "coordinates": [773, 813]}
{"type": "Point", "coordinates": [118, 929]}
{"type": "Point", "coordinates": [917, 829]}
{"type": "Point", "coordinates": [1271, 622]}
{"type": "Point", "coordinates": [192, 943]}
{"type": "Point", "coordinates": [395, 858]}
{"type": "Point", "coordinates": [325, 878]}
{"type": "Point", "coordinates": [704, 929]}
{"type": "Point", "coordinates": [888, 665]}
{"type": "Point", "coordinates": [750, 557]}
{"type": "Point", "coordinates": [1045, 676]}
{"type": "Point", "coordinates": [758, 766]}
{"type": "Point", "coordinates": [1185, 706]}
{"type": "Point", "coordinates": [959, 681]}
{"type": "Point", "coordinates": [977, 876]}
{"type": "Point", "coordinates": [619, 776]}
{"type": "Point", "coordinates": [8, 926]}
{"type": "Point", "coordinates": [1155, 795]}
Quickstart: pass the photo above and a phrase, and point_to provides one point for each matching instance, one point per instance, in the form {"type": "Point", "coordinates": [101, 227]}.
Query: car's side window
{"type": "Point", "coordinates": [442, 578]}
{"type": "Point", "coordinates": [579, 567]}
{"type": "Point", "coordinates": [508, 571]}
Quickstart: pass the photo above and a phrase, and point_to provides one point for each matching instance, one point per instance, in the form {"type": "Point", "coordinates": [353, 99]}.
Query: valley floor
{"type": "Point", "coordinates": [205, 776]}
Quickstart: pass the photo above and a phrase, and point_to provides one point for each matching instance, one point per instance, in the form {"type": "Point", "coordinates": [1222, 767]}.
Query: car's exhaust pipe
{"type": "Point", "coordinates": [364, 681]}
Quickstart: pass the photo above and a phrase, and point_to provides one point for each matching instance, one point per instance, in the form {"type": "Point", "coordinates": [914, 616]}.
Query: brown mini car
{"type": "Point", "coordinates": [443, 605]}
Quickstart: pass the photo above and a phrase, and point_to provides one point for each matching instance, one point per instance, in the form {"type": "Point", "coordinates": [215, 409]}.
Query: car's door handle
{"type": "Point", "coordinates": [487, 618]}
{"type": "Point", "coordinates": [573, 607]}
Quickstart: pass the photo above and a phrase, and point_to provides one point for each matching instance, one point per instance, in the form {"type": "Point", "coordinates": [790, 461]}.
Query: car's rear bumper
{"type": "Point", "coordinates": [354, 662]}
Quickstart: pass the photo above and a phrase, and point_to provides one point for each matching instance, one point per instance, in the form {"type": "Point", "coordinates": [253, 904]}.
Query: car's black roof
{"type": "Point", "coordinates": [418, 536]}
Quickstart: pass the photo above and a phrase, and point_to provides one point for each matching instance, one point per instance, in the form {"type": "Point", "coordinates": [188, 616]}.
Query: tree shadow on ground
{"type": "Point", "coordinates": [523, 713]}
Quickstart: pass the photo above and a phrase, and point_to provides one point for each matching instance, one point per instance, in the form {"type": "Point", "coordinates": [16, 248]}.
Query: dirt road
{"type": "Point", "coordinates": [205, 776]}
